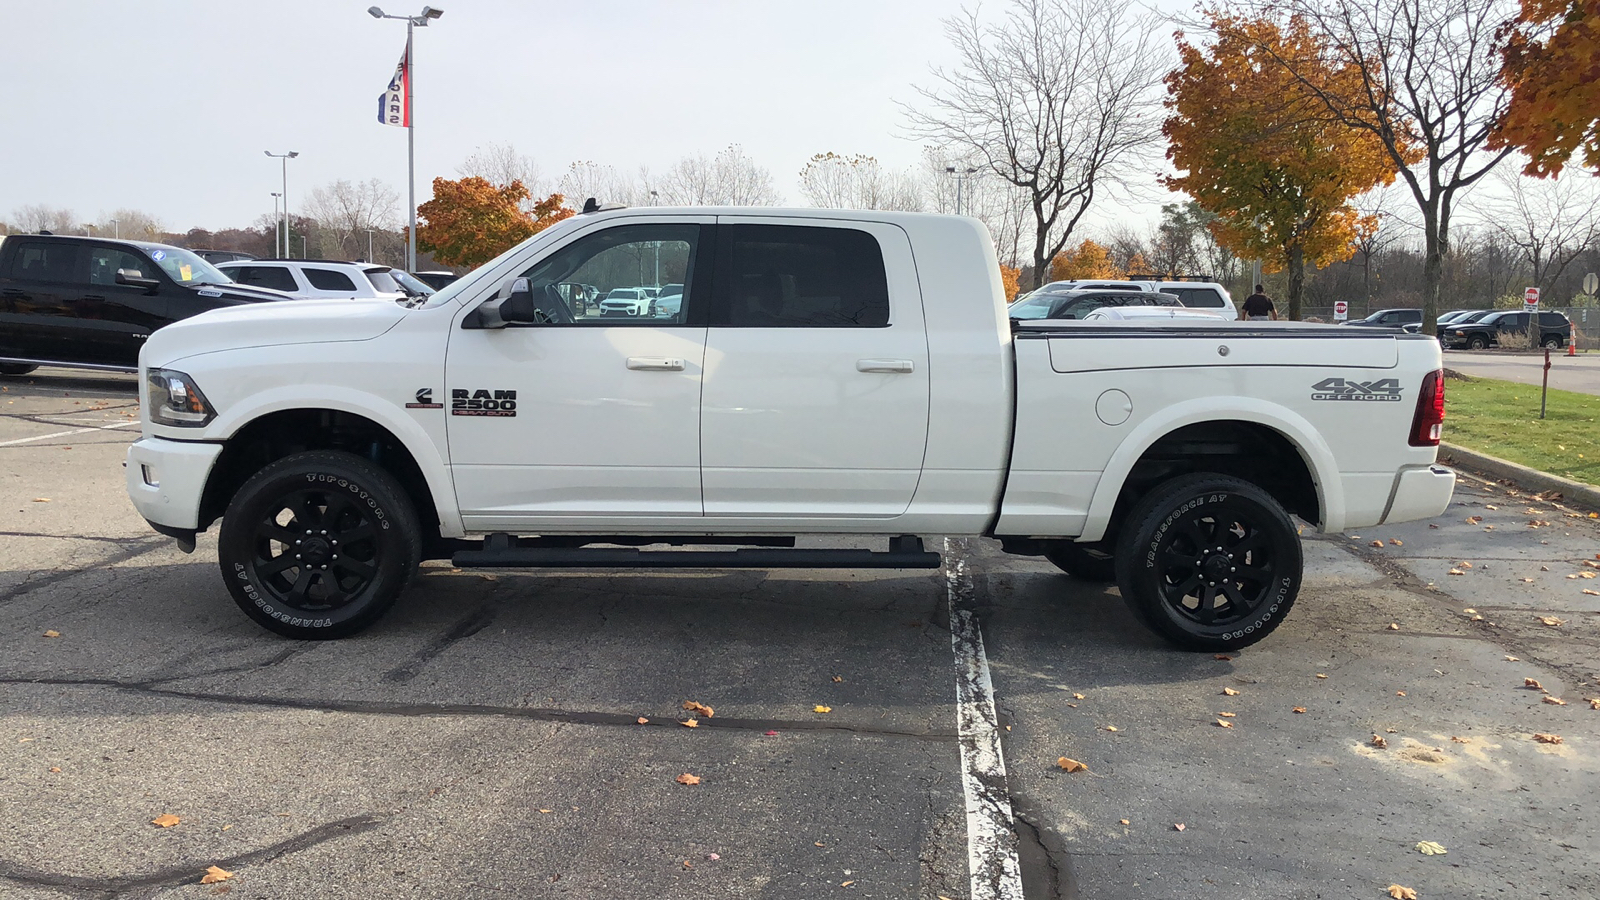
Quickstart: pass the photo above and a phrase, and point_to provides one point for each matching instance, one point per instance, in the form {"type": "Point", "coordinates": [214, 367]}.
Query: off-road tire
{"type": "Point", "coordinates": [318, 545]}
{"type": "Point", "coordinates": [1219, 542]}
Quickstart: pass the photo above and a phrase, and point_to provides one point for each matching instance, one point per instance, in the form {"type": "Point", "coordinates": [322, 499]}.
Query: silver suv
{"type": "Point", "coordinates": [318, 279]}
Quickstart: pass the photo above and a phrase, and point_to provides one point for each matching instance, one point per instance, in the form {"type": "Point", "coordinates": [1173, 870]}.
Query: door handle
{"type": "Point", "coordinates": [655, 364]}
{"type": "Point", "coordinates": [94, 297]}
{"type": "Point", "coordinates": [12, 292]}
{"type": "Point", "coordinates": [900, 366]}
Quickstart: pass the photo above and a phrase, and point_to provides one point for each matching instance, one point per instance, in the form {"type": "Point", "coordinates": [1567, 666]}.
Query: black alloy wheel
{"type": "Point", "coordinates": [1209, 562]}
{"type": "Point", "coordinates": [318, 545]}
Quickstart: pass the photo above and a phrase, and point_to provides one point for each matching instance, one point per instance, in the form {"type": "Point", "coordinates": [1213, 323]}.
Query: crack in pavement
{"type": "Point", "coordinates": [466, 627]}
{"type": "Point", "coordinates": [187, 874]}
{"type": "Point", "coordinates": [432, 710]}
{"type": "Point", "coordinates": [78, 537]}
{"type": "Point", "coordinates": [138, 547]}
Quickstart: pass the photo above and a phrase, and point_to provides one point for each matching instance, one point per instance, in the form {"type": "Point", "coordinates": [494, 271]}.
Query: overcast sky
{"type": "Point", "coordinates": [167, 105]}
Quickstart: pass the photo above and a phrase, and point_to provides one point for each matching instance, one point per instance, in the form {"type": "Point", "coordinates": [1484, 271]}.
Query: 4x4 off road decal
{"type": "Point", "coordinates": [1340, 389]}
{"type": "Point", "coordinates": [480, 402]}
{"type": "Point", "coordinates": [424, 400]}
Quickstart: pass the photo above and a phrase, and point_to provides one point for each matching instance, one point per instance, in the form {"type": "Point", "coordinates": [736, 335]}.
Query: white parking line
{"type": "Point", "coordinates": [46, 437]}
{"type": "Point", "coordinates": [991, 828]}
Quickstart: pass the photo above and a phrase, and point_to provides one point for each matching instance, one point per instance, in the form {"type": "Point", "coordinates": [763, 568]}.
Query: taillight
{"type": "Point", "coordinates": [1428, 422]}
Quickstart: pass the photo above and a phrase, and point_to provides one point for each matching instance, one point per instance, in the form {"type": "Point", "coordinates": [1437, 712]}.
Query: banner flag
{"type": "Point", "coordinates": [394, 104]}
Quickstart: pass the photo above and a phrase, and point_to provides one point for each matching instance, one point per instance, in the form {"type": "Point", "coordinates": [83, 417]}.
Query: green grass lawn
{"type": "Point", "coordinates": [1501, 418]}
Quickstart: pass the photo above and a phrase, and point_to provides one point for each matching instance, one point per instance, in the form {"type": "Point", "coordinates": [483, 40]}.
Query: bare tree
{"type": "Point", "coordinates": [1058, 98]}
{"type": "Point", "coordinates": [501, 164]}
{"type": "Point", "coordinates": [1431, 91]}
{"type": "Point", "coordinates": [948, 175]}
{"type": "Point", "coordinates": [343, 212]}
{"type": "Point", "coordinates": [858, 182]}
{"type": "Point", "coordinates": [1551, 221]}
{"type": "Point", "coordinates": [129, 223]}
{"type": "Point", "coordinates": [585, 179]}
{"type": "Point", "coordinates": [728, 179]}
{"type": "Point", "coordinates": [36, 217]}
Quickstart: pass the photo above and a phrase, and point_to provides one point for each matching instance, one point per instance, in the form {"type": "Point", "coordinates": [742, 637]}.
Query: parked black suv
{"type": "Point", "coordinates": [1552, 330]}
{"type": "Point", "coordinates": [92, 302]}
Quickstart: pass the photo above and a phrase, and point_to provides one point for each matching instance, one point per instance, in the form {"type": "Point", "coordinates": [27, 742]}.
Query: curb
{"type": "Point", "coordinates": [1572, 492]}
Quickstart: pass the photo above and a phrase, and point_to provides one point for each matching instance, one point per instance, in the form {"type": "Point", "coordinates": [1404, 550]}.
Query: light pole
{"type": "Point", "coordinates": [412, 22]}
{"type": "Point", "coordinates": [116, 229]}
{"type": "Point", "coordinates": [369, 244]}
{"type": "Point", "coordinates": [960, 177]}
{"type": "Point", "coordinates": [277, 238]}
{"type": "Point", "coordinates": [285, 157]}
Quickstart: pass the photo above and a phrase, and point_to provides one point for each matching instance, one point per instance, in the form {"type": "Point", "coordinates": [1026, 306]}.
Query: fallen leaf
{"type": "Point", "coordinates": [1554, 701]}
{"type": "Point", "coordinates": [1397, 542]}
{"type": "Point", "coordinates": [1394, 626]}
{"type": "Point", "coordinates": [1547, 738]}
{"type": "Point", "coordinates": [1492, 506]}
{"type": "Point", "coordinates": [818, 844]}
{"type": "Point", "coordinates": [1228, 715]}
{"type": "Point", "coordinates": [1399, 693]}
{"type": "Point", "coordinates": [1459, 740]}
{"type": "Point", "coordinates": [1402, 893]}
{"type": "Point", "coordinates": [547, 811]}
{"type": "Point", "coordinates": [1379, 741]}
{"type": "Point", "coordinates": [772, 734]}
{"type": "Point", "coordinates": [1392, 730]}
{"type": "Point", "coordinates": [702, 709]}
{"type": "Point", "coordinates": [1551, 621]}
{"type": "Point", "coordinates": [1320, 675]}
{"type": "Point", "coordinates": [1123, 821]}
{"type": "Point", "coordinates": [1527, 581]}
{"type": "Point", "coordinates": [1068, 764]}
{"type": "Point", "coordinates": [1465, 565]}
{"type": "Point", "coordinates": [1591, 592]}
{"type": "Point", "coordinates": [1224, 723]}
{"type": "Point", "coordinates": [1376, 544]}
{"type": "Point", "coordinates": [166, 820]}
{"type": "Point", "coordinates": [1222, 656]}
{"type": "Point", "coordinates": [1470, 612]}
{"type": "Point", "coordinates": [52, 634]}
{"type": "Point", "coordinates": [837, 679]}
{"type": "Point", "coordinates": [846, 883]}
{"type": "Point", "coordinates": [215, 874]}
{"type": "Point", "coordinates": [1077, 696]}
{"type": "Point", "coordinates": [1455, 572]}
{"type": "Point", "coordinates": [691, 723]}
{"type": "Point", "coordinates": [55, 770]}
{"type": "Point", "coordinates": [822, 709]}
{"type": "Point", "coordinates": [1585, 574]}
{"type": "Point", "coordinates": [1298, 709]}
{"type": "Point", "coordinates": [686, 778]}
{"type": "Point", "coordinates": [1111, 728]}
{"type": "Point", "coordinates": [1230, 692]}
{"type": "Point", "coordinates": [1473, 520]}
{"type": "Point", "coordinates": [1532, 684]}
{"type": "Point", "coordinates": [713, 857]}
{"type": "Point", "coordinates": [1431, 848]}
{"type": "Point", "coordinates": [1178, 826]}
{"type": "Point", "coordinates": [643, 721]}
{"type": "Point", "coordinates": [1512, 659]}
{"type": "Point", "coordinates": [1594, 702]}
{"type": "Point", "coordinates": [41, 499]}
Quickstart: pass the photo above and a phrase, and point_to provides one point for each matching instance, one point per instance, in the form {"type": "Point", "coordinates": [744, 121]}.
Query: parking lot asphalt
{"type": "Point", "coordinates": [1579, 373]}
{"type": "Point", "coordinates": [484, 738]}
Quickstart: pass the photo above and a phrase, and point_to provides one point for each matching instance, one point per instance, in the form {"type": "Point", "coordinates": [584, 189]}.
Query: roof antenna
{"type": "Point", "coordinates": [591, 205]}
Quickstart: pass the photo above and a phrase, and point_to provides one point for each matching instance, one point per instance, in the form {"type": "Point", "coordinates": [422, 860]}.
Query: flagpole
{"type": "Point", "coordinates": [411, 153]}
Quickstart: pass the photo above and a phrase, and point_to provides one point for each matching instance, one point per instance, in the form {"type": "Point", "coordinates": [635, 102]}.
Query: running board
{"type": "Point", "coordinates": [500, 551]}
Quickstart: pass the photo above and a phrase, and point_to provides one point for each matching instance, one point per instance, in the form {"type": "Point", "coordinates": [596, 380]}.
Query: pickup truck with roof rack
{"type": "Point", "coordinates": [839, 373]}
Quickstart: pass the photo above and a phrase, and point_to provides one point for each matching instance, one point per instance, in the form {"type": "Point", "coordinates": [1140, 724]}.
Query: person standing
{"type": "Point", "coordinates": [1258, 306]}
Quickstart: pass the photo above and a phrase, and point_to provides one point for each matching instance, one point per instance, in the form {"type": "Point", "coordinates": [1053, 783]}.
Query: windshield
{"type": "Point", "coordinates": [185, 267]}
{"type": "Point", "coordinates": [410, 284]}
{"type": "Point", "coordinates": [1035, 306]}
{"type": "Point", "coordinates": [382, 283]}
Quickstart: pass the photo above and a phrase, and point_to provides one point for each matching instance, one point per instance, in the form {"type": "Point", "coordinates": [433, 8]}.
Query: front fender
{"type": "Point", "coordinates": [1294, 427]}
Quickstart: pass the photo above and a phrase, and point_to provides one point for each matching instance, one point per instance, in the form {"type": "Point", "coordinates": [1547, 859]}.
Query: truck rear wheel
{"type": "Point", "coordinates": [1209, 562]}
{"type": "Point", "coordinates": [1085, 562]}
{"type": "Point", "coordinates": [318, 545]}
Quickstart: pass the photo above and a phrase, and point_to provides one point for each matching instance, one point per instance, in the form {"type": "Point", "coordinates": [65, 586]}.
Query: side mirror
{"type": "Point", "coordinates": [135, 278]}
{"type": "Point", "coordinates": [512, 303]}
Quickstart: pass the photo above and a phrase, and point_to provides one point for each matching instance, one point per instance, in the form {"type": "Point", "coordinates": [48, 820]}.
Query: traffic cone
{"type": "Point", "coordinates": [1572, 348]}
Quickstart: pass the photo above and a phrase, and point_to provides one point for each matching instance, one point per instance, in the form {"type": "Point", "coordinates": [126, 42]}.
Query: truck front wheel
{"type": "Point", "coordinates": [318, 545]}
{"type": "Point", "coordinates": [1209, 562]}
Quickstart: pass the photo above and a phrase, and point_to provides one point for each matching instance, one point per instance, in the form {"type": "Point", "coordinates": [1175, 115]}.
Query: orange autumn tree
{"type": "Point", "coordinates": [1552, 65]}
{"type": "Point", "coordinates": [1088, 260]}
{"type": "Point", "coordinates": [471, 221]}
{"type": "Point", "coordinates": [1257, 146]}
{"type": "Point", "coordinates": [1009, 281]}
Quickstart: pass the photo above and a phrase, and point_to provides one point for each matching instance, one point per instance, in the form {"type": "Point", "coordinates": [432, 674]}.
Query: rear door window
{"type": "Point", "coordinates": [277, 278]}
{"type": "Point", "coordinates": [797, 276]}
{"type": "Point", "coordinates": [1552, 320]}
{"type": "Point", "coordinates": [1197, 298]}
{"type": "Point", "coordinates": [329, 280]}
{"type": "Point", "coordinates": [45, 261]}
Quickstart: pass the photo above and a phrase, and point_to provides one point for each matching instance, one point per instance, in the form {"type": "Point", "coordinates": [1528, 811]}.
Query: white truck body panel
{"type": "Point", "coordinates": [938, 423]}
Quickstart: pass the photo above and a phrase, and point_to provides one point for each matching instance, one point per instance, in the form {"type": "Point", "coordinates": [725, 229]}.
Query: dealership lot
{"type": "Point", "coordinates": [484, 738]}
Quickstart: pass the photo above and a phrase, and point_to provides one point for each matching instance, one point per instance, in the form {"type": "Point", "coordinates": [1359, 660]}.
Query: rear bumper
{"type": "Point", "coordinates": [1420, 493]}
{"type": "Point", "coordinates": [166, 480]}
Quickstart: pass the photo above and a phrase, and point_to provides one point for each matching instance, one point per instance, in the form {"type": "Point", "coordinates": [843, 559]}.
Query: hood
{"type": "Point", "coordinates": [271, 325]}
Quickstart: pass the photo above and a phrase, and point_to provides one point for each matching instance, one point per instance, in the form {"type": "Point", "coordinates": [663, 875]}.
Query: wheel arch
{"type": "Point", "coordinates": [274, 433]}
{"type": "Point", "coordinates": [1270, 446]}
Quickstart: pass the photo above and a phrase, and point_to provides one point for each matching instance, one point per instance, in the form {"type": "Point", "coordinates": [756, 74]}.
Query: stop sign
{"type": "Point", "coordinates": [1341, 310]}
{"type": "Point", "coordinates": [1530, 298]}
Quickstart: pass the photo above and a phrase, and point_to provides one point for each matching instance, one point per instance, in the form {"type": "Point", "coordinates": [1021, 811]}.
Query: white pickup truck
{"type": "Point", "coordinates": [838, 373]}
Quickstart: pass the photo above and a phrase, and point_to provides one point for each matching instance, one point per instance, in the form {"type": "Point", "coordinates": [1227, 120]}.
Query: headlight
{"type": "Point", "coordinates": [176, 400]}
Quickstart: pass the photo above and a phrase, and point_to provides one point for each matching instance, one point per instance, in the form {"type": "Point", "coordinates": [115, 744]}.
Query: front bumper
{"type": "Point", "coordinates": [166, 480]}
{"type": "Point", "coordinates": [1420, 493]}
